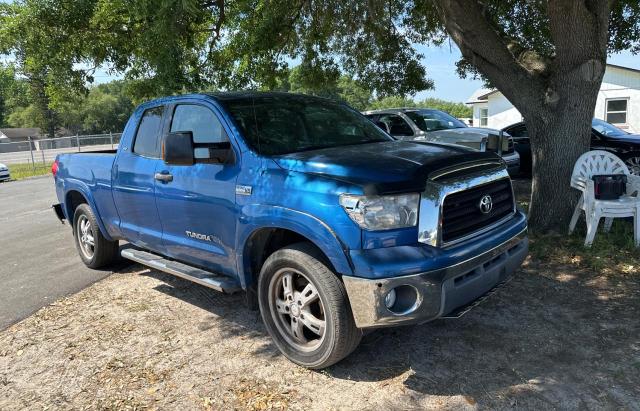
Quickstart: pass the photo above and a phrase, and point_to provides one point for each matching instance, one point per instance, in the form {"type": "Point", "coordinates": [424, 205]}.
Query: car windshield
{"type": "Point", "coordinates": [281, 124]}
{"type": "Point", "coordinates": [434, 120]}
{"type": "Point", "coordinates": [607, 129]}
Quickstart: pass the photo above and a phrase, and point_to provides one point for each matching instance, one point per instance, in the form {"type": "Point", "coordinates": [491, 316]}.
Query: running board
{"type": "Point", "coordinates": [196, 275]}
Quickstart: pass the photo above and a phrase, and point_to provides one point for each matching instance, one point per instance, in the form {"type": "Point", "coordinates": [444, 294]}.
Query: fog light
{"type": "Point", "coordinates": [390, 298]}
{"type": "Point", "coordinates": [403, 299]}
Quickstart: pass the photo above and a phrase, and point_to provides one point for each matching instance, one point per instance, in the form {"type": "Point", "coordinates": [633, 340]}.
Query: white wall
{"type": "Point", "coordinates": [617, 83]}
{"type": "Point", "coordinates": [501, 112]}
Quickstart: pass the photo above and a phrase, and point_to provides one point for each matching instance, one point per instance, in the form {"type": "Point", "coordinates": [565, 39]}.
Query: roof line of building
{"type": "Point", "coordinates": [485, 96]}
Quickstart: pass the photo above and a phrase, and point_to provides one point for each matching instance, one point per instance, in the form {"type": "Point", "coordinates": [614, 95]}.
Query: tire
{"type": "Point", "coordinates": [632, 161]}
{"type": "Point", "coordinates": [316, 295]}
{"type": "Point", "coordinates": [86, 231]}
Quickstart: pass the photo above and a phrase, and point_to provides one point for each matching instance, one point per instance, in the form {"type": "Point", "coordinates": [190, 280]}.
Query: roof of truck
{"type": "Point", "coordinates": [242, 95]}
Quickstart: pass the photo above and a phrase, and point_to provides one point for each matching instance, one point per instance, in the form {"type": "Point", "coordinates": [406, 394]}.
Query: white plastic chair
{"type": "Point", "coordinates": [600, 162]}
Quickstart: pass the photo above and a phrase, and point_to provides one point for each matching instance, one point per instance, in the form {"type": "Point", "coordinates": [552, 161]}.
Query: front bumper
{"type": "Point", "coordinates": [4, 175]}
{"type": "Point", "coordinates": [438, 292]}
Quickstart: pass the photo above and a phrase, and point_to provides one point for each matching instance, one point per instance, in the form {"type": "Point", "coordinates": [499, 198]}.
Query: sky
{"type": "Point", "coordinates": [441, 68]}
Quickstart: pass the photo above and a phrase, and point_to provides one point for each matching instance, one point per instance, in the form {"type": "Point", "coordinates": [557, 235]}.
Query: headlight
{"type": "Point", "coordinates": [382, 212]}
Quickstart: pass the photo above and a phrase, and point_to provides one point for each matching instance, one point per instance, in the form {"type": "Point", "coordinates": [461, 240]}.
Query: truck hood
{"type": "Point", "coordinates": [464, 134]}
{"type": "Point", "coordinates": [627, 138]}
{"type": "Point", "coordinates": [381, 168]}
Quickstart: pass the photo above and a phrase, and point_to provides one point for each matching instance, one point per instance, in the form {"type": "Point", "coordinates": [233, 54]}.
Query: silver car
{"type": "Point", "coordinates": [424, 124]}
{"type": "Point", "coordinates": [4, 173]}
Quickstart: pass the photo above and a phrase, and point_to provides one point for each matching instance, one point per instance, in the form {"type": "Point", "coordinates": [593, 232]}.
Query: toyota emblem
{"type": "Point", "coordinates": [486, 204]}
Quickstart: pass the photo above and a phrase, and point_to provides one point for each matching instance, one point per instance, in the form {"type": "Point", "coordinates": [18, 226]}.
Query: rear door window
{"type": "Point", "coordinates": [147, 138]}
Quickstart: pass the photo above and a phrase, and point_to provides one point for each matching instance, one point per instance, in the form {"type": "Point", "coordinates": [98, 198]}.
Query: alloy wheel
{"type": "Point", "coordinates": [634, 165]}
{"type": "Point", "coordinates": [86, 239]}
{"type": "Point", "coordinates": [297, 309]}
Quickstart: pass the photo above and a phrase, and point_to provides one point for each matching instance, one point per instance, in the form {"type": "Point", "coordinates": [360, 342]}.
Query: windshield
{"type": "Point", "coordinates": [607, 129]}
{"type": "Point", "coordinates": [434, 120]}
{"type": "Point", "coordinates": [282, 124]}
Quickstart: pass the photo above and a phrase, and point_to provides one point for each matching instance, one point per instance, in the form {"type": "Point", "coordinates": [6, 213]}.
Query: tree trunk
{"type": "Point", "coordinates": [556, 93]}
{"type": "Point", "coordinates": [559, 132]}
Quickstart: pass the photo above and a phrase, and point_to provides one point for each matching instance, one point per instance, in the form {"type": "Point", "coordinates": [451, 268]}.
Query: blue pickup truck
{"type": "Point", "coordinates": [328, 224]}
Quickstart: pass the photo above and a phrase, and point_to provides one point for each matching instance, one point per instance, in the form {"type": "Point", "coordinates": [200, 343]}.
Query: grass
{"type": "Point", "coordinates": [614, 250]}
{"type": "Point", "coordinates": [610, 251]}
{"type": "Point", "coordinates": [24, 170]}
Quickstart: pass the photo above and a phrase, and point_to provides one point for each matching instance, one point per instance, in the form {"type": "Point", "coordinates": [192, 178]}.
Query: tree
{"type": "Point", "coordinates": [392, 102]}
{"type": "Point", "coordinates": [546, 56]}
{"type": "Point", "coordinates": [7, 78]}
{"type": "Point", "coordinates": [106, 108]}
{"type": "Point", "coordinates": [353, 92]}
{"type": "Point", "coordinates": [459, 110]}
{"type": "Point", "coordinates": [325, 83]}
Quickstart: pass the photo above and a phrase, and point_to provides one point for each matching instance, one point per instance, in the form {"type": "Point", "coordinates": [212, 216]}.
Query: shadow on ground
{"type": "Point", "coordinates": [552, 337]}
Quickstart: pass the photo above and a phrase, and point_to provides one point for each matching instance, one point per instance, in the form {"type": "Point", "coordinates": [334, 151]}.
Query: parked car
{"type": "Point", "coordinates": [604, 136]}
{"type": "Point", "coordinates": [5, 175]}
{"type": "Point", "coordinates": [420, 124]}
{"type": "Point", "coordinates": [327, 223]}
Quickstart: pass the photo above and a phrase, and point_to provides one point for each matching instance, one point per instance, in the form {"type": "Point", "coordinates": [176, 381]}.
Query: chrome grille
{"type": "Point", "coordinates": [461, 214]}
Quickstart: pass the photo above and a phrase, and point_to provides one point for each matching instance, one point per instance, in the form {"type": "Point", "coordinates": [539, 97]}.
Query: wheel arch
{"type": "Point", "coordinates": [76, 196]}
{"type": "Point", "coordinates": [258, 242]}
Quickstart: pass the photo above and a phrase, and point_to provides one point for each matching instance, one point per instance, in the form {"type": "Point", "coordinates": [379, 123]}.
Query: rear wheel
{"type": "Point", "coordinates": [305, 308]}
{"type": "Point", "coordinates": [94, 249]}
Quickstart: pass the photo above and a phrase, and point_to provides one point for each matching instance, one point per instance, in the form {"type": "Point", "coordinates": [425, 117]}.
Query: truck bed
{"type": "Point", "coordinates": [88, 173]}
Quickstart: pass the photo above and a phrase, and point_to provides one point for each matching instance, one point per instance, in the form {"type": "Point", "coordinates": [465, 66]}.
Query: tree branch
{"type": "Point", "coordinates": [503, 63]}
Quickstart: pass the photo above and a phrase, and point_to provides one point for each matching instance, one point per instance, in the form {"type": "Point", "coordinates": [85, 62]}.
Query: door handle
{"type": "Point", "coordinates": [165, 177]}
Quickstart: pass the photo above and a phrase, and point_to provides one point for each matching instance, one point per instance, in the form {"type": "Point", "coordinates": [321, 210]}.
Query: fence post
{"type": "Point", "coordinates": [111, 138]}
{"type": "Point", "coordinates": [33, 161]}
{"type": "Point", "coordinates": [78, 141]}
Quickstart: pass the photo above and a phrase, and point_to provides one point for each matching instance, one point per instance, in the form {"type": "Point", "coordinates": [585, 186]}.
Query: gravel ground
{"type": "Point", "coordinates": [555, 336]}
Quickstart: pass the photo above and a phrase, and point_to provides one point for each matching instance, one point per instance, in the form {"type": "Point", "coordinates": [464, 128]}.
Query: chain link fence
{"type": "Point", "coordinates": [42, 152]}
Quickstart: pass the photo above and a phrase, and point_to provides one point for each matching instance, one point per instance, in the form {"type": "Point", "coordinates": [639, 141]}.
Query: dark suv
{"type": "Point", "coordinates": [604, 136]}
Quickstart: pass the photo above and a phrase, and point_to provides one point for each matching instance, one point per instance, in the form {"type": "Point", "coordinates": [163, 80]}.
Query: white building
{"type": "Point", "coordinates": [618, 102]}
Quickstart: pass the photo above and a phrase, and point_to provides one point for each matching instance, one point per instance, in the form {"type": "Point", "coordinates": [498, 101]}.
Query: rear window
{"type": "Point", "coordinates": [148, 135]}
{"type": "Point", "coordinates": [274, 125]}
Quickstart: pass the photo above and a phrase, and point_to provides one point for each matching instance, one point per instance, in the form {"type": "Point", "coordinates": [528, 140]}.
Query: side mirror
{"type": "Point", "coordinates": [498, 143]}
{"type": "Point", "coordinates": [177, 148]}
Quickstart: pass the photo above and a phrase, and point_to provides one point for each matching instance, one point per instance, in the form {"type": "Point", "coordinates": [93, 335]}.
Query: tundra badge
{"type": "Point", "coordinates": [243, 190]}
{"type": "Point", "coordinates": [198, 236]}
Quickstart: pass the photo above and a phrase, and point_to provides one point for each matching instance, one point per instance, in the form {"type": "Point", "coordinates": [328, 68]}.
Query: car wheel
{"type": "Point", "coordinates": [94, 249]}
{"type": "Point", "coordinates": [633, 163]}
{"type": "Point", "coordinates": [305, 307]}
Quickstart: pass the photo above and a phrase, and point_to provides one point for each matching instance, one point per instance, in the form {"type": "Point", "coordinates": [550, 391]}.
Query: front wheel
{"type": "Point", "coordinates": [633, 163]}
{"type": "Point", "coordinates": [305, 308]}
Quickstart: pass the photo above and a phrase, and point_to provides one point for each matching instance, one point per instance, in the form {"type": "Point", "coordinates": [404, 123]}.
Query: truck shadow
{"type": "Point", "coordinates": [543, 340]}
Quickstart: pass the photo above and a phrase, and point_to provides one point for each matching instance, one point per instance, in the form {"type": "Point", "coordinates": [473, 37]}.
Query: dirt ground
{"type": "Point", "coordinates": [558, 336]}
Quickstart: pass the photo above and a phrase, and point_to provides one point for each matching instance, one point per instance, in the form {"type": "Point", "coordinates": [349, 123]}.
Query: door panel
{"type": "Point", "coordinates": [197, 208]}
{"type": "Point", "coordinates": [198, 215]}
{"type": "Point", "coordinates": [134, 184]}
